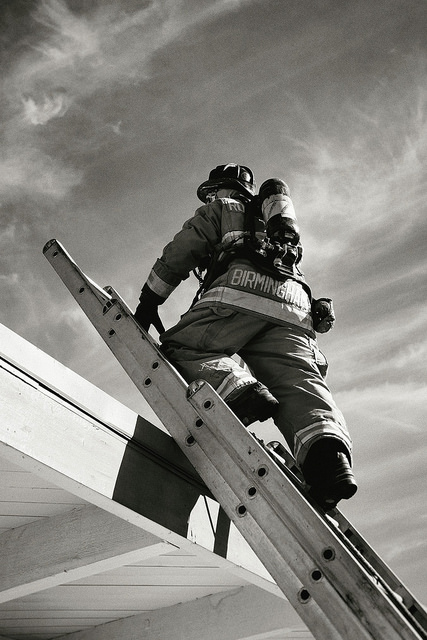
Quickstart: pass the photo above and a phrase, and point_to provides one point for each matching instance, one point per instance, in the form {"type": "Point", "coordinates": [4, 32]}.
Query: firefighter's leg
{"type": "Point", "coordinates": [201, 346]}
{"type": "Point", "coordinates": [288, 362]}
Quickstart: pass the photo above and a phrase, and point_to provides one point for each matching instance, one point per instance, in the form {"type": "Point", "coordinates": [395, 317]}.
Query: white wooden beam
{"type": "Point", "coordinates": [78, 453]}
{"type": "Point", "coordinates": [36, 427]}
{"type": "Point", "coordinates": [70, 546]}
{"type": "Point", "coordinates": [75, 452]}
{"type": "Point", "coordinates": [62, 380]}
{"type": "Point", "coordinates": [247, 613]}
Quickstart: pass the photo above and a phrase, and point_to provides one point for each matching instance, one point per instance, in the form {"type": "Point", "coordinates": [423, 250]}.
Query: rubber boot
{"type": "Point", "coordinates": [328, 472]}
{"type": "Point", "coordinates": [252, 402]}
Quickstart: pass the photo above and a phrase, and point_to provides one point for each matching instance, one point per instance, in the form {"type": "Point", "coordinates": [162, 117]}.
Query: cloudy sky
{"type": "Point", "coordinates": [114, 111]}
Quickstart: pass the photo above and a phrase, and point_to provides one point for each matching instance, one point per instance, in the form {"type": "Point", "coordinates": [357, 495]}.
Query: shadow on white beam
{"type": "Point", "coordinates": [130, 469]}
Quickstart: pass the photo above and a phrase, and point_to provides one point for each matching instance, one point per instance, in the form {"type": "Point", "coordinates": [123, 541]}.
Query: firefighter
{"type": "Point", "coordinates": [254, 303]}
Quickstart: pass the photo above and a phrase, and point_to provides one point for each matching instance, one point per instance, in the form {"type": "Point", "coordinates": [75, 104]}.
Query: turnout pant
{"type": "Point", "coordinates": [284, 358]}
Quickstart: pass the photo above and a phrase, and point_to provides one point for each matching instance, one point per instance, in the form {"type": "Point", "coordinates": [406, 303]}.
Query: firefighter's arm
{"type": "Point", "coordinates": [194, 242]}
{"type": "Point", "coordinates": [188, 248]}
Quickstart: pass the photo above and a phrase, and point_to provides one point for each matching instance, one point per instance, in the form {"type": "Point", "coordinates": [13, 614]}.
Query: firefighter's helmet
{"type": "Point", "coordinates": [232, 176]}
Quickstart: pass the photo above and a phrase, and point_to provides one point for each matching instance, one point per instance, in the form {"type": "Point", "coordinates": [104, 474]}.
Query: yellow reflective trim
{"type": "Point", "coordinates": [233, 236]}
{"type": "Point", "coordinates": [159, 286]}
{"type": "Point", "coordinates": [258, 305]}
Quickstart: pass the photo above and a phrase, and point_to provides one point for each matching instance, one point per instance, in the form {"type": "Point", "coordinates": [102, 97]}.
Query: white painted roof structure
{"type": "Point", "coordinates": [106, 531]}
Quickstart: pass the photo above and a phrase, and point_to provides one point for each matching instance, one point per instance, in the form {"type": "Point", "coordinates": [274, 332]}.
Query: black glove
{"type": "Point", "coordinates": [146, 313]}
{"type": "Point", "coordinates": [323, 315]}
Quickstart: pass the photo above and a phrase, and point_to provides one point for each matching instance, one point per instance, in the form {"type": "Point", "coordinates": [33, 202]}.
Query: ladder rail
{"type": "Point", "coordinates": [197, 423]}
{"type": "Point", "coordinates": [141, 347]}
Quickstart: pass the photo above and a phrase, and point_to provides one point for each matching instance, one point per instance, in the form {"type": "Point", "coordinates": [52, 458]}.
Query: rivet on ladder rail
{"type": "Point", "coordinates": [241, 510]}
{"type": "Point", "coordinates": [328, 553]}
{"type": "Point", "coordinates": [316, 575]}
{"type": "Point", "coordinates": [304, 595]}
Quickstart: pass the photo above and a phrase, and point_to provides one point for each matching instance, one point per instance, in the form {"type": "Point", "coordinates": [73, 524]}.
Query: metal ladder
{"type": "Point", "coordinates": [337, 584]}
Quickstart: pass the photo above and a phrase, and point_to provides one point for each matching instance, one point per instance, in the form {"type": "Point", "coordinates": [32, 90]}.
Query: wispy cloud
{"type": "Point", "coordinates": [29, 172]}
{"type": "Point", "coordinates": [79, 56]}
{"type": "Point", "coordinates": [369, 169]}
{"type": "Point", "coordinates": [50, 106]}
{"type": "Point", "coordinates": [89, 52]}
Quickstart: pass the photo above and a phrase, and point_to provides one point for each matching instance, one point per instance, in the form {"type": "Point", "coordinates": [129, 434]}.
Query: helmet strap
{"type": "Point", "coordinates": [211, 196]}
